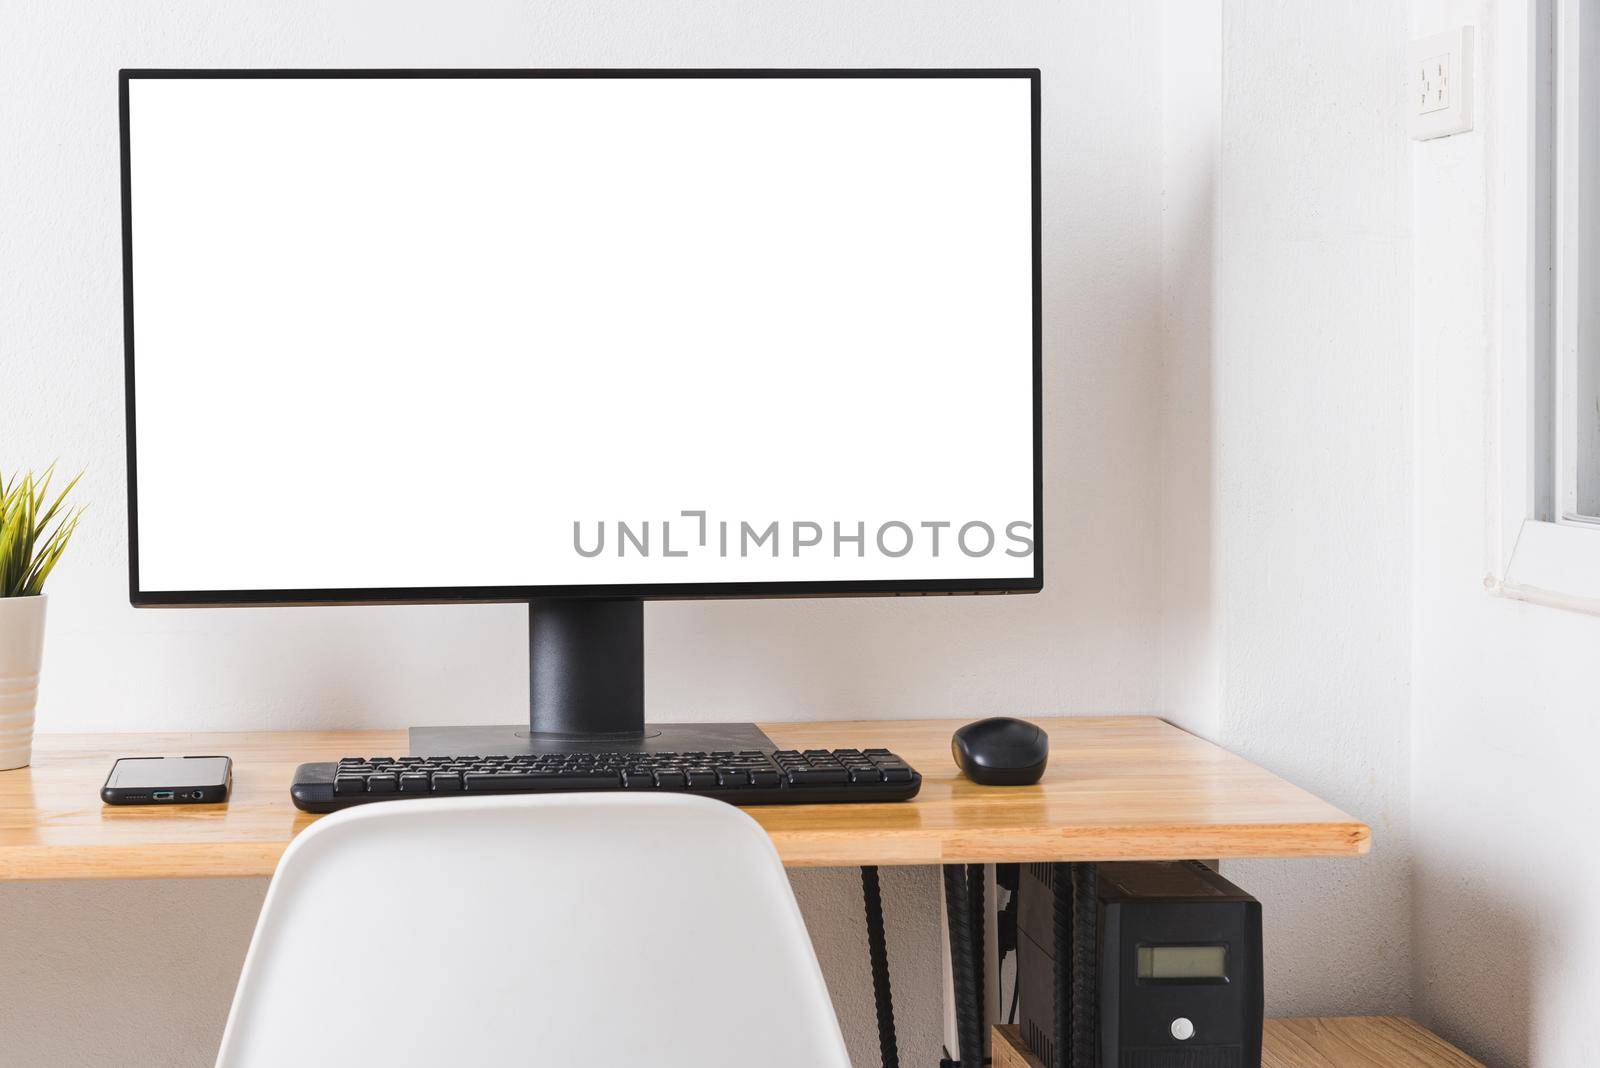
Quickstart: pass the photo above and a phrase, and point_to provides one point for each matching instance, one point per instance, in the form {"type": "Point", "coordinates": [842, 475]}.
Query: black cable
{"type": "Point", "coordinates": [1085, 954]}
{"type": "Point", "coordinates": [878, 951]}
{"type": "Point", "coordinates": [958, 912]}
{"type": "Point", "coordinates": [1016, 988]}
{"type": "Point", "coordinates": [1061, 901]}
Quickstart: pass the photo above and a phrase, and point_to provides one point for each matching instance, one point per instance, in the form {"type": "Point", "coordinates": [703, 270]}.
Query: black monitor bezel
{"type": "Point", "coordinates": [655, 591]}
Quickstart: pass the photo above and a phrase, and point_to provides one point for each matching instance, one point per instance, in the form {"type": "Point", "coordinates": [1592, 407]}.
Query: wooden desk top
{"type": "Point", "coordinates": [1118, 788]}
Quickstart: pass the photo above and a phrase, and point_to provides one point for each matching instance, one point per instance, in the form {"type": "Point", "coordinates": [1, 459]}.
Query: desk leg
{"type": "Point", "coordinates": [964, 896]}
{"type": "Point", "coordinates": [878, 951]}
{"type": "Point", "coordinates": [1076, 915]}
{"type": "Point", "coordinates": [980, 952]}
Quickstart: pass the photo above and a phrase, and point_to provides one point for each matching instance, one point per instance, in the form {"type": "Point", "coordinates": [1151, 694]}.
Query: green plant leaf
{"type": "Point", "coordinates": [35, 530]}
{"type": "Point", "coordinates": [56, 504]}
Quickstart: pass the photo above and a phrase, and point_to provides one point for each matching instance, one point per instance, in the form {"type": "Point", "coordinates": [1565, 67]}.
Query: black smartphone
{"type": "Point", "coordinates": [189, 780]}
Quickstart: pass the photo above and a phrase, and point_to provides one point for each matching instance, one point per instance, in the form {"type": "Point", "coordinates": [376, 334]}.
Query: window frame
{"type": "Point", "coordinates": [1541, 549]}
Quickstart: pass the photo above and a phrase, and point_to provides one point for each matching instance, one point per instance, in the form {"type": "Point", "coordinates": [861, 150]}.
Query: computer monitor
{"type": "Point", "coordinates": [580, 339]}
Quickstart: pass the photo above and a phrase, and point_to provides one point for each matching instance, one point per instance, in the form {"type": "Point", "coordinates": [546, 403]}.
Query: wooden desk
{"type": "Point", "coordinates": [1118, 788]}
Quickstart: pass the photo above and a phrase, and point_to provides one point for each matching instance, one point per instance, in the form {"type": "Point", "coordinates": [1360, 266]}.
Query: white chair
{"type": "Point", "coordinates": [595, 929]}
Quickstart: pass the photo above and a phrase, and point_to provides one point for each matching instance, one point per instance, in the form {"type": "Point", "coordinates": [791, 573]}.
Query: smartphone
{"type": "Point", "coordinates": [189, 780]}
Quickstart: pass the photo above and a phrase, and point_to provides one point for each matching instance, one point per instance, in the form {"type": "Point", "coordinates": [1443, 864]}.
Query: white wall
{"type": "Point", "coordinates": [1507, 880]}
{"type": "Point", "coordinates": [1286, 615]}
{"type": "Point", "coordinates": [1191, 133]}
{"type": "Point", "coordinates": [1089, 644]}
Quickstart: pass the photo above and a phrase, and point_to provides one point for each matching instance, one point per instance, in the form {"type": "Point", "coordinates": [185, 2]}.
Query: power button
{"type": "Point", "coordinates": [1182, 1028]}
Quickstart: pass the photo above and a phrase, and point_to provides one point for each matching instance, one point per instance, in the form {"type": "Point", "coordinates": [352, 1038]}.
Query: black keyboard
{"type": "Point", "coordinates": [745, 777]}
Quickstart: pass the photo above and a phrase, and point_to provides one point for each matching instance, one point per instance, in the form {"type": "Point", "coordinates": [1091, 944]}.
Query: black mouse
{"type": "Point", "coordinates": [1001, 751]}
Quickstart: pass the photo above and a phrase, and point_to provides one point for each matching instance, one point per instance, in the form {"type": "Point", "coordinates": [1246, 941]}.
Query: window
{"type": "Point", "coordinates": [1575, 246]}
{"type": "Point", "coordinates": [1547, 539]}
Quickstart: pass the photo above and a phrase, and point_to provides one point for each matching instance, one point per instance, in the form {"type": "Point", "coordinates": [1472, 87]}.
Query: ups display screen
{"type": "Point", "coordinates": [491, 335]}
{"type": "Point", "coordinates": [1182, 962]}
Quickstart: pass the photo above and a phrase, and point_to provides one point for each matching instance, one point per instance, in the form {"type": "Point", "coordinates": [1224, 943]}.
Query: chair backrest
{"type": "Point", "coordinates": [596, 929]}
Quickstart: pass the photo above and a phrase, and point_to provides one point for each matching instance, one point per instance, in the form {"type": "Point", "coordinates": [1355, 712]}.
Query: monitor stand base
{"type": "Point", "coordinates": [586, 693]}
{"type": "Point", "coordinates": [518, 740]}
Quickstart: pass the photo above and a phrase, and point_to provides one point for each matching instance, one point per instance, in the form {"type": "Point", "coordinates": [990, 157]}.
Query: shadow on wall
{"type": "Point", "coordinates": [1482, 959]}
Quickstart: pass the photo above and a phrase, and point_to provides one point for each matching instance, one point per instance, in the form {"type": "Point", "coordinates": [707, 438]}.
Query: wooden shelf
{"type": "Point", "coordinates": [1357, 1042]}
{"type": "Point", "coordinates": [1314, 1042]}
{"type": "Point", "coordinates": [1118, 788]}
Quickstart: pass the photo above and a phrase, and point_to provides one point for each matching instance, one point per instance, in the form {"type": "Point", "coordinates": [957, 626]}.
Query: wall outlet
{"type": "Point", "coordinates": [1434, 78]}
{"type": "Point", "coordinates": [1439, 96]}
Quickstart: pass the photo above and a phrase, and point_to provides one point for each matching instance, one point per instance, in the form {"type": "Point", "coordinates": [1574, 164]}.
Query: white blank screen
{"type": "Point", "coordinates": [441, 332]}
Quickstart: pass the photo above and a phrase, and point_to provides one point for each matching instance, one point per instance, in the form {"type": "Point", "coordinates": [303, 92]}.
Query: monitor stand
{"type": "Point", "coordinates": [586, 690]}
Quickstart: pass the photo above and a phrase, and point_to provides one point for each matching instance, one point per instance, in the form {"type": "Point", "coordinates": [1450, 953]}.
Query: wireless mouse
{"type": "Point", "coordinates": [1001, 751]}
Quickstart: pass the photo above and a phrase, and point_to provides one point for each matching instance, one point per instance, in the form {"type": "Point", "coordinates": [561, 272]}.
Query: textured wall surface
{"type": "Point", "coordinates": [1506, 904]}
{"type": "Point", "coordinates": [1191, 133]}
{"type": "Point", "coordinates": [1285, 537]}
{"type": "Point", "coordinates": [1087, 645]}
{"type": "Point", "coordinates": [1313, 381]}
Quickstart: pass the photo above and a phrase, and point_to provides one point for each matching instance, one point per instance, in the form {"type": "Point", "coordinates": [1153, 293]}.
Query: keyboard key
{"type": "Point", "coordinates": [349, 784]}
{"type": "Point", "coordinates": [702, 778]}
{"type": "Point", "coordinates": [672, 780]}
{"type": "Point", "coordinates": [447, 782]}
{"type": "Point", "coordinates": [542, 780]}
{"type": "Point", "coordinates": [416, 783]}
{"type": "Point", "coordinates": [900, 774]}
{"type": "Point", "coordinates": [639, 780]}
{"type": "Point", "coordinates": [765, 779]}
{"type": "Point", "coordinates": [382, 784]}
{"type": "Point", "coordinates": [731, 777]}
{"type": "Point", "coordinates": [818, 777]}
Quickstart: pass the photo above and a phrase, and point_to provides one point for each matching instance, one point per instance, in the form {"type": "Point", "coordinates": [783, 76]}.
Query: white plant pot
{"type": "Point", "coordinates": [21, 651]}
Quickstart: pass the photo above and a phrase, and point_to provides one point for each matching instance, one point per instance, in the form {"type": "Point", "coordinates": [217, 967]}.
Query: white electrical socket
{"type": "Point", "coordinates": [1439, 96]}
{"type": "Point", "coordinates": [1434, 78]}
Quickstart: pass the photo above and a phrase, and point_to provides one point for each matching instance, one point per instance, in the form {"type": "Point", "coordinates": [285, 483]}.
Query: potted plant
{"type": "Point", "coordinates": [33, 535]}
